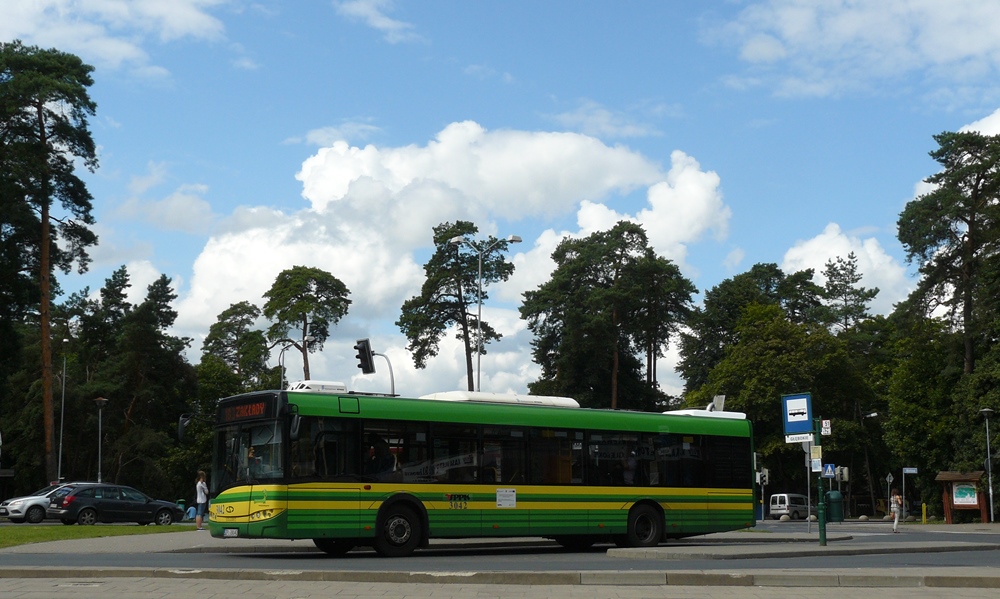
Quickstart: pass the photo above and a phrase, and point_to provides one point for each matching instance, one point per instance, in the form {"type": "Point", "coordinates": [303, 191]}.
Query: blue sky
{"type": "Point", "coordinates": [238, 139]}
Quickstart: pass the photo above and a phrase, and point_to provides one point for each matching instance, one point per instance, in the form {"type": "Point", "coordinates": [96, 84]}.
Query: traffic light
{"type": "Point", "coordinates": [366, 361]}
{"type": "Point", "coordinates": [764, 475]}
{"type": "Point", "coordinates": [842, 474]}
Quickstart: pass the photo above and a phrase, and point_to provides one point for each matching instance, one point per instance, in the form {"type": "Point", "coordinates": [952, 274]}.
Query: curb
{"type": "Point", "coordinates": [612, 578]}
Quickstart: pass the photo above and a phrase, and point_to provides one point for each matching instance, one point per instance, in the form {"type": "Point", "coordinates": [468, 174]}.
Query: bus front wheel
{"type": "Point", "coordinates": [645, 526]}
{"type": "Point", "coordinates": [399, 533]}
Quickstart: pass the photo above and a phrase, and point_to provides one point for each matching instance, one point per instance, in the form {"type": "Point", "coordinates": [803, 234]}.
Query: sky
{"type": "Point", "coordinates": [237, 139]}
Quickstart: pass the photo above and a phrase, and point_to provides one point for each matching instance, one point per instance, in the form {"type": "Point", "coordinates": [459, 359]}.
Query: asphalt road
{"type": "Point", "coordinates": [532, 555]}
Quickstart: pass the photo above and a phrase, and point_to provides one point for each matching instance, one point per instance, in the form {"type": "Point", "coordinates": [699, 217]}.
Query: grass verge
{"type": "Point", "coordinates": [23, 534]}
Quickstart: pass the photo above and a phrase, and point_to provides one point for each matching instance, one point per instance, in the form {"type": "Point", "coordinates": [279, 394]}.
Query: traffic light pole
{"type": "Point", "coordinates": [820, 494]}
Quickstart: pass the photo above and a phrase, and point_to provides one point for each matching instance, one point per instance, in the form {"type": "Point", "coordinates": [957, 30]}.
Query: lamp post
{"type": "Point", "coordinates": [986, 413]}
{"type": "Point", "coordinates": [459, 240]}
{"type": "Point", "coordinates": [281, 364]}
{"type": "Point", "coordinates": [100, 401]}
{"type": "Point", "coordinates": [62, 412]}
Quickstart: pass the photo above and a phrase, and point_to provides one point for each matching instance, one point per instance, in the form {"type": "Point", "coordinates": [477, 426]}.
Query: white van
{"type": "Point", "coordinates": [791, 505]}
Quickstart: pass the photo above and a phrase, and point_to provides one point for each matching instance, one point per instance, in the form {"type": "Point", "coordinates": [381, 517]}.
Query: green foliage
{"type": "Point", "coordinates": [846, 303]}
{"type": "Point", "coordinates": [451, 290]}
{"type": "Point", "coordinates": [953, 231]}
{"type": "Point", "coordinates": [307, 300]}
{"type": "Point", "coordinates": [713, 326]}
{"type": "Point", "coordinates": [773, 357]}
{"type": "Point", "coordinates": [44, 134]}
{"type": "Point", "coordinates": [607, 301]}
{"type": "Point", "coordinates": [242, 349]}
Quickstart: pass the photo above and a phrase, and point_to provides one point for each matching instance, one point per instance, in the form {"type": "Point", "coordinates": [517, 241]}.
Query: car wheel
{"type": "Point", "coordinates": [795, 515]}
{"type": "Point", "coordinates": [67, 521]}
{"type": "Point", "coordinates": [334, 546]}
{"type": "Point", "coordinates": [35, 514]}
{"type": "Point", "coordinates": [164, 518]}
{"type": "Point", "coordinates": [645, 526]}
{"type": "Point", "coordinates": [86, 517]}
{"type": "Point", "coordinates": [399, 532]}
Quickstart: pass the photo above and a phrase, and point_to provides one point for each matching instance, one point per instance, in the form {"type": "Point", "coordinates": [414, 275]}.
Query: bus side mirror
{"type": "Point", "coordinates": [293, 432]}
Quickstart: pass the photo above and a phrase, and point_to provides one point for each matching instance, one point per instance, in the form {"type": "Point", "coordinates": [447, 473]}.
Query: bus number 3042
{"type": "Point", "coordinates": [457, 501]}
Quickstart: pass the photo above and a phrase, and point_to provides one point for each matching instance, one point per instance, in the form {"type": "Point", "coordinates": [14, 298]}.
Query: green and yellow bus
{"type": "Point", "coordinates": [347, 469]}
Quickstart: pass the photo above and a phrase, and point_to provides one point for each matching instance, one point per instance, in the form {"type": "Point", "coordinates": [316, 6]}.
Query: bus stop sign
{"type": "Point", "coordinates": [797, 413]}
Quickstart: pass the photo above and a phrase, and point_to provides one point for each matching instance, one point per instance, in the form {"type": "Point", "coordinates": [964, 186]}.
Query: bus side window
{"type": "Point", "coordinates": [326, 456]}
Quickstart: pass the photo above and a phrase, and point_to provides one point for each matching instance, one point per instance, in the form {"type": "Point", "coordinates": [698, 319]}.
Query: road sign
{"type": "Point", "coordinates": [829, 471]}
{"type": "Point", "coordinates": [888, 478]}
{"type": "Point", "coordinates": [797, 413]}
{"type": "Point", "coordinates": [826, 428]}
{"type": "Point", "coordinates": [909, 470]}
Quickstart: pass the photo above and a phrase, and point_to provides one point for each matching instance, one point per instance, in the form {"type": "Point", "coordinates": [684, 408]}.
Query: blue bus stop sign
{"type": "Point", "coordinates": [797, 413]}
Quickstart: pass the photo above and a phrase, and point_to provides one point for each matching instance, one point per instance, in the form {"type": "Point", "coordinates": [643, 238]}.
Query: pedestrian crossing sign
{"type": "Point", "coordinates": [829, 471]}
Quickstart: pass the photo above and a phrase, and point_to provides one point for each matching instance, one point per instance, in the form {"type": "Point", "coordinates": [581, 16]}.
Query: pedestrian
{"type": "Point", "coordinates": [201, 489]}
{"type": "Point", "coordinates": [896, 505]}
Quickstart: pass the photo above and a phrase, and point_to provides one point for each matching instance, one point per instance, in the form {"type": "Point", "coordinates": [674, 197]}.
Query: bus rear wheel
{"type": "Point", "coordinates": [334, 546]}
{"type": "Point", "coordinates": [645, 526]}
{"type": "Point", "coordinates": [399, 532]}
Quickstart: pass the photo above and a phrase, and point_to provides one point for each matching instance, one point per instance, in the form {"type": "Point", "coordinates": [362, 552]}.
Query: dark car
{"type": "Point", "coordinates": [111, 503]}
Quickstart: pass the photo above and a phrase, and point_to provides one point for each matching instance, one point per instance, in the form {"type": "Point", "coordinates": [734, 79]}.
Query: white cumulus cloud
{"type": "Point", "coordinates": [369, 220]}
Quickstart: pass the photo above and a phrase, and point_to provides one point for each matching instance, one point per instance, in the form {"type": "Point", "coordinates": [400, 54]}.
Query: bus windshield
{"type": "Point", "coordinates": [248, 453]}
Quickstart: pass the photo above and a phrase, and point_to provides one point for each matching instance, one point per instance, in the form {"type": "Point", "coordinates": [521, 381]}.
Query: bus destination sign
{"type": "Point", "coordinates": [251, 408]}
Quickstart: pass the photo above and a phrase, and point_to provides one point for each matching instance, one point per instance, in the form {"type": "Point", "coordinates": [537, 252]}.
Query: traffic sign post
{"type": "Point", "coordinates": [820, 495]}
{"type": "Point", "coordinates": [905, 472]}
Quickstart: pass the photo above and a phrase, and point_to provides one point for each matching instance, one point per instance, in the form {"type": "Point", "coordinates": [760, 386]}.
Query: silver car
{"type": "Point", "coordinates": [31, 508]}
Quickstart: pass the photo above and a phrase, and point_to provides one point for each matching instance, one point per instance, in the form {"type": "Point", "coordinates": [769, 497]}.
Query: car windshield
{"type": "Point", "coordinates": [46, 490]}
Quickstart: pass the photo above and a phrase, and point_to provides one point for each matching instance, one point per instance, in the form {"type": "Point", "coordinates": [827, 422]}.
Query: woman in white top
{"type": "Point", "coordinates": [201, 488]}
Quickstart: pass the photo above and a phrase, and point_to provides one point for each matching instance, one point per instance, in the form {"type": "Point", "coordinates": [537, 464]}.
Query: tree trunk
{"type": "Point", "coordinates": [44, 310]}
{"type": "Point", "coordinates": [305, 348]}
{"type": "Point", "coordinates": [465, 335]}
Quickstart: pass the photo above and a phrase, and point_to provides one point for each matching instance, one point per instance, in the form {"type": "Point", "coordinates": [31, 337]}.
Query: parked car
{"type": "Point", "coordinates": [32, 508]}
{"type": "Point", "coordinates": [90, 504]}
{"type": "Point", "coordinates": [790, 504]}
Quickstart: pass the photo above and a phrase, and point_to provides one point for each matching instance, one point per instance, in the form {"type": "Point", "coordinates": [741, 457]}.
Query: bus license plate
{"type": "Point", "coordinates": [230, 533]}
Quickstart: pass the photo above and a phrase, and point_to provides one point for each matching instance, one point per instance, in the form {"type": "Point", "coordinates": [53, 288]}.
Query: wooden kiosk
{"type": "Point", "coordinates": [961, 492]}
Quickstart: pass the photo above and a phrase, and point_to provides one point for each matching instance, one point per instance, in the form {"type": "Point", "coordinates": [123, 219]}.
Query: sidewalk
{"type": "Point", "coordinates": [732, 546]}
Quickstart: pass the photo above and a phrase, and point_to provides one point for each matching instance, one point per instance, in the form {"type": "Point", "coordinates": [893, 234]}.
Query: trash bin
{"type": "Point", "coordinates": [180, 502]}
{"type": "Point", "coordinates": [835, 506]}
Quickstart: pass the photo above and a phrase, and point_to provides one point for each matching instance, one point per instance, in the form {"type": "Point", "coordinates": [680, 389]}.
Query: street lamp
{"type": "Point", "coordinates": [100, 401]}
{"type": "Point", "coordinates": [987, 412]}
{"type": "Point", "coordinates": [62, 413]}
{"type": "Point", "coordinates": [281, 364]}
{"type": "Point", "coordinates": [459, 240]}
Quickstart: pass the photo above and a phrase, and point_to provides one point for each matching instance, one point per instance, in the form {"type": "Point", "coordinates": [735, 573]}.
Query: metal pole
{"type": "Point", "coordinates": [100, 401]}
{"type": "Point", "coordinates": [100, 416]}
{"type": "Point", "coordinates": [62, 413]}
{"type": "Point", "coordinates": [820, 500]}
{"type": "Point", "coordinates": [986, 413]}
{"type": "Point", "coordinates": [479, 324]}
